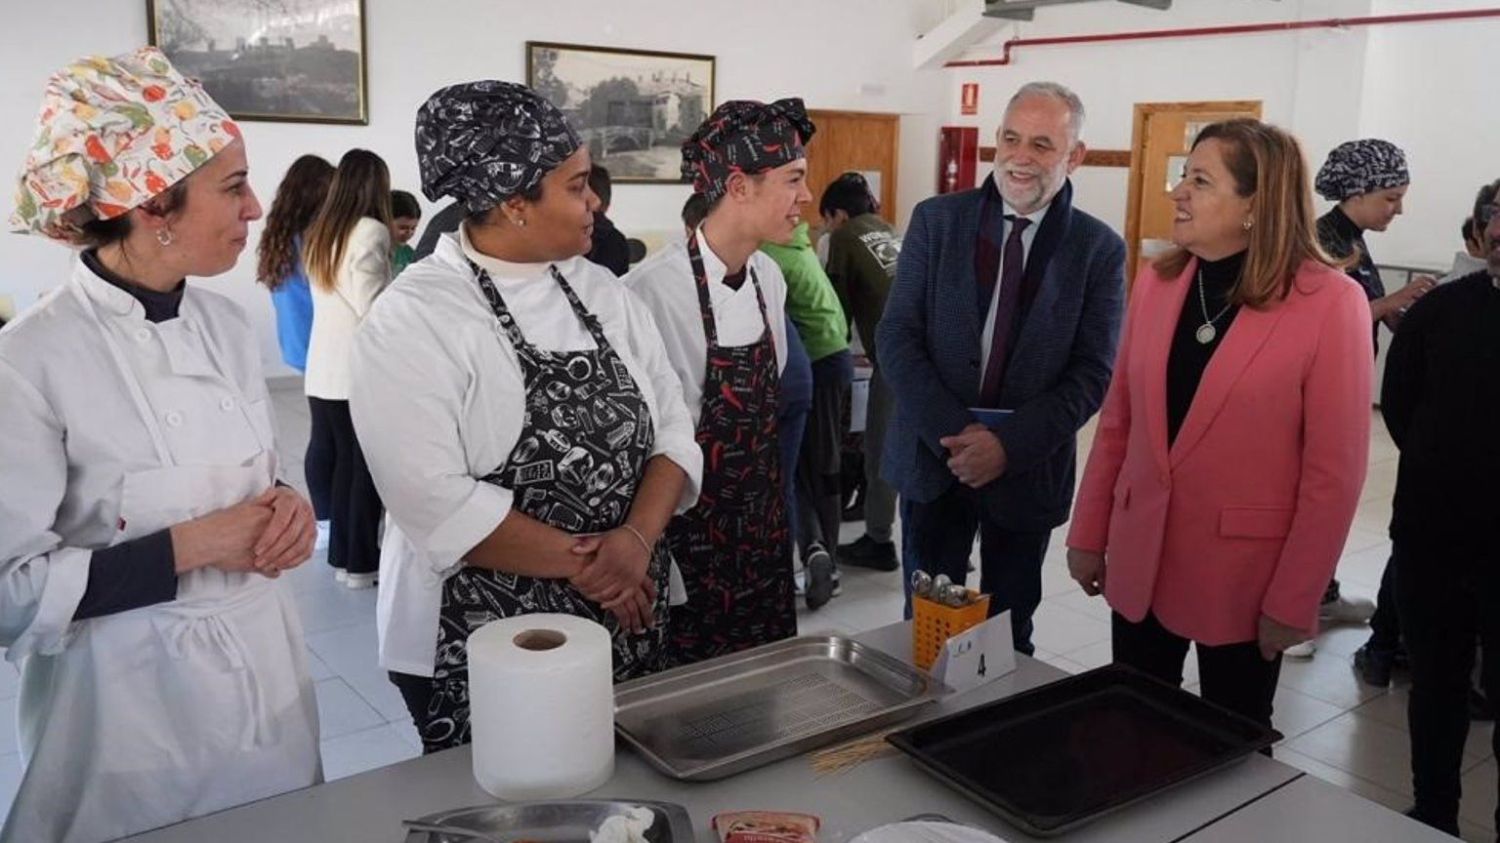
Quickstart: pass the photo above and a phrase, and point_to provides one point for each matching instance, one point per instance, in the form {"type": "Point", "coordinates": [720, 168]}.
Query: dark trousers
{"type": "Point", "coordinates": [354, 517]}
{"type": "Point", "coordinates": [1231, 675]}
{"type": "Point", "coordinates": [1446, 601]}
{"type": "Point", "coordinates": [938, 537]}
{"type": "Point", "coordinates": [317, 465]}
{"type": "Point", "coordinates": [820, 504]}
{"type": "Point", "coordinates": [1385, 624]}
{"type": "Point", "coordinates": [416, 692]}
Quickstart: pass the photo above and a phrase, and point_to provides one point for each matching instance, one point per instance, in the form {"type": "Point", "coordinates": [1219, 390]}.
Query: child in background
{"type": "Point", "coordinates": [406, 214]}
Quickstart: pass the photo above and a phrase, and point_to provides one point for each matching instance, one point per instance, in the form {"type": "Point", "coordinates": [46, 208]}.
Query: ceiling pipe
{"type": "Point", "coordinates": [1241, 29]}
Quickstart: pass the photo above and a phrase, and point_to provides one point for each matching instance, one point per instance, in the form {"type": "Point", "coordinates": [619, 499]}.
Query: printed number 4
{"type": "Point", "coordinates": [982, 668]}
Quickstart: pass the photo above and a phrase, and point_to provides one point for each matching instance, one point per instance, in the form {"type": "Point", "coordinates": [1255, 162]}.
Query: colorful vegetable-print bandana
{"type": "Point", "coordinates": [484, 142]}
{"type": "Point", "coordinates": [744, 136]}
{"type": "Point", "coordinates": [112, 133]}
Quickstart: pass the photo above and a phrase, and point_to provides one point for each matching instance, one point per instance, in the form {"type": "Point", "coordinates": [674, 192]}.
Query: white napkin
{"type": "Point", "coordinates": [629, 827]}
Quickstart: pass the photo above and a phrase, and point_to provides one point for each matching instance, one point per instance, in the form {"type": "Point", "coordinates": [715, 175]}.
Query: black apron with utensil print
{"type": "Point", "coordinates": [734, 547]}
{"type": "Point", "coordinates": [576, 466]}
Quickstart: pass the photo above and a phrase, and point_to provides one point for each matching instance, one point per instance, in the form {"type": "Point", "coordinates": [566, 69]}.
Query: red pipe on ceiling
{"type": "Point", "coordinates": [1240, 29]}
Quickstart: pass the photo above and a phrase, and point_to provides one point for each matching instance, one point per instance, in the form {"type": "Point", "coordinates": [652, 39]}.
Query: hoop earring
{"type": "Point", "coordinates": [164, 236]}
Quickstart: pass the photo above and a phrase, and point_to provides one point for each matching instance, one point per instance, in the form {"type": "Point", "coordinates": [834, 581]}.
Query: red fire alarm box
{"type": "Point", "coordinates": [958, 158]}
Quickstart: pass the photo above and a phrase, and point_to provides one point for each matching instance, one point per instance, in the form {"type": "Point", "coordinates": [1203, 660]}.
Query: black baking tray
{"type": "Point", "coordinates": [1057, 757]}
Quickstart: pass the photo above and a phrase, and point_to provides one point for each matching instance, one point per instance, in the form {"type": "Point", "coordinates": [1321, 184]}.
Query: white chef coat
{"type": "Point", "coordinates": [665, 283]}
{"type": "Point", "coordinates": [362, 274]}
{"type": "Point", "coordinates": [111, 428]}
{"type": "Point", "coordinates": [439, 401]}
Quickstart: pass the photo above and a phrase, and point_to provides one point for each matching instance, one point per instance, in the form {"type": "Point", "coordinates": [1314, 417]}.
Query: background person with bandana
{"type": "Point", "coordinates": [1368, 179]}
{"type": "Point", "coordinates": [512, 398]}
{"type": "Point", "coordinates": [721, 307]}
{"type": "Point", "coordinates": [142, 526]}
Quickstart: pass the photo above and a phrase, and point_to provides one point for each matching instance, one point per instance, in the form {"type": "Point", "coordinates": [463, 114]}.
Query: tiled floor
{"type": "Point", "coordinates": [1336, 728]}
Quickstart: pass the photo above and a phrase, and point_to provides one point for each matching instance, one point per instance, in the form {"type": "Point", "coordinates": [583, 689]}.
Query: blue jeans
{"type": "Point", "coordinates": [791, 419]}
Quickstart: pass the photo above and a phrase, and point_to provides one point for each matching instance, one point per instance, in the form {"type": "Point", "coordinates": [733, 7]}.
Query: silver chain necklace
{"type": "Point", "coordinates": [1207, 333]}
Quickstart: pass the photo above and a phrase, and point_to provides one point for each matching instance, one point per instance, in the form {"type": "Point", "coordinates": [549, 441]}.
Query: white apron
{"type": "Point", "coordinates": [155, 715]}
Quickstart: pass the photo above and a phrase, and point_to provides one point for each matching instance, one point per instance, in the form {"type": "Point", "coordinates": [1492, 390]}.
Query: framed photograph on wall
{"type": "Point", "coordinates": [291, 60]}
{"type": "Point", "coordinates": [632, 107]}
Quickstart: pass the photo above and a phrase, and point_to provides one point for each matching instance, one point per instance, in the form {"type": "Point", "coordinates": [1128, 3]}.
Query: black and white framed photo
{"type": "Point", "coordinates": [632, 107]}
{"type": "Point", "coordinates": [289, 60]}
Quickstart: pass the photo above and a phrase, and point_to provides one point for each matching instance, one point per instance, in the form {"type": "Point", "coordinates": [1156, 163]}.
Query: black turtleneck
{"type": "Point", "coordinates": [1189, 358]}
{"type": "Point", "coordinates": [159, 306]}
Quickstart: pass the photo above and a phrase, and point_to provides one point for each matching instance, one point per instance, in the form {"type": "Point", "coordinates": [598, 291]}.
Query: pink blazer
{"type": "Point", "coordinates": [1246, 514]}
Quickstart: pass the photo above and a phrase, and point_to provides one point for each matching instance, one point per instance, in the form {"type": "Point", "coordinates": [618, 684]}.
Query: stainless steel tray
{"type": "Point", "coordinates": [737, 712]}
{"type": "Point", "coordinates": [565, 821]}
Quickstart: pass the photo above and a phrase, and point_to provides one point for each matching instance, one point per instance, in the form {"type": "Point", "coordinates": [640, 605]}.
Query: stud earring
{"type": "Point", "coordinates": [1249, 224]}
{"type": "Point", "coordinates": [164, 236]}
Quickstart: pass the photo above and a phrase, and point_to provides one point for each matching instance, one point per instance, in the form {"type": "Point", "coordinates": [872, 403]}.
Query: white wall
{"type": "Point", "coordinates": [827, 52]}
{"type": "Point", "coordinates": [1423, 86]}
{"type": "Point", "coordinates": [1431, 88]}
{"type": "Point", "coordinates": [1309, 82]}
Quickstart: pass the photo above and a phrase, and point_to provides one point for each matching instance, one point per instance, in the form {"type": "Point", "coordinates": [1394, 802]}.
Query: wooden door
{"type": "Point", "coordinates": [853, 140]}
{"type": "Point", "coordinates": [1162, 136]}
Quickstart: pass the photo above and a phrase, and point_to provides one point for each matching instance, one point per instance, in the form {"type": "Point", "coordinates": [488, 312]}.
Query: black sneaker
{"type": "Point", "coordinates": [1374, 665]}
{"type": "Point", "coordinates": [1445, 826]}
{"type": "Point", "coordinates": [819, 577]}
{"type": "Point", "coordinates": [865, 552]}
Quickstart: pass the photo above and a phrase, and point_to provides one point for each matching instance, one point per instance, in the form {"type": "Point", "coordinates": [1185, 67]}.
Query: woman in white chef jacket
{"type": "Point", "coordinates": [519, 414]}
{"type": "Point", "coordinates": [163, 671]}
{"type": "Point", "coordinates": [348, 259]}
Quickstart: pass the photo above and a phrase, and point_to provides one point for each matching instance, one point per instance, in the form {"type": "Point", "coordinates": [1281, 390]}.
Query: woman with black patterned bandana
{"type": "Point", "coordinates": [520, 417]}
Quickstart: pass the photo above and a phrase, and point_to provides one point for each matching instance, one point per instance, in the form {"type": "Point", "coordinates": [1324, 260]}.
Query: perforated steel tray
{"type": "Point", "coordinates": [738, 712]}
{"type": "Point", "coordinates": [568, 821]}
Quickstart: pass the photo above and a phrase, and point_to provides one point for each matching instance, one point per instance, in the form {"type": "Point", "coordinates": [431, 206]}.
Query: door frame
{"type": "Point", "coordinates": [888, 185]}
{"type": "Point", "coordinates": [1143, 112]}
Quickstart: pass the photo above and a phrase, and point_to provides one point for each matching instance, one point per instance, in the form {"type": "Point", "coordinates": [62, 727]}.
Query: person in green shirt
{"type": "Point", "coordinates": [814, 309]}
{"type": "Point", "coordinates": [862, 253]}
{"type": "Point", "coordinates": [406, 214]}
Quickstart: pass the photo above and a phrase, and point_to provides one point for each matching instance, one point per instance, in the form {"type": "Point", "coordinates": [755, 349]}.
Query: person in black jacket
{"type": "Point", "coordinates": [1441, 401]}
{"type": "Point", "coordinates": [610, 249]}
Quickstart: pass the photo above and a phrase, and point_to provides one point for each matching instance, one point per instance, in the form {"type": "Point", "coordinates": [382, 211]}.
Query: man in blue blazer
{"type": "Point", "coordinates": [999, 337]}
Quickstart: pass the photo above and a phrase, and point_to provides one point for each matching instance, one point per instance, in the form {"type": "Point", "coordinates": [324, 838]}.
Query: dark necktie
{"type": "Point", "coordinates": [1012, 273]}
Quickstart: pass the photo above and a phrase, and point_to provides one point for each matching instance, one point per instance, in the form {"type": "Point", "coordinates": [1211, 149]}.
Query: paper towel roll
{"type": "Point", "coordinates": [541, 706]}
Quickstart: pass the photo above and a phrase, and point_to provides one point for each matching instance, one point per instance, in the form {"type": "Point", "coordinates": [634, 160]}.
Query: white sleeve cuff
{"type": "Point", "coordinates": [49, 630]}
{"type": "Point", "coordinates": [477, 517]}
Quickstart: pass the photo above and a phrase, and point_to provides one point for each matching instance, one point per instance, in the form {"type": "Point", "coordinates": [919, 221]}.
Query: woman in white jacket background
{"type": "Point", "coordinates": [163, 669]}
{"type": "Point", "coordinates": [348, 260]}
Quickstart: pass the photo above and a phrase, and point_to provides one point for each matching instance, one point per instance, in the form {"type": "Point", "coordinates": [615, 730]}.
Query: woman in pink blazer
{"type": "Point", "coordinates": [1232, 446]}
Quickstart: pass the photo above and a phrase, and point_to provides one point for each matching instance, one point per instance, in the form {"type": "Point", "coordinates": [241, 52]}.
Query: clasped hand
{"type": "Point", "coordinates": [975, 455]}
{"type": "Point", "coordinates": [615, 574]}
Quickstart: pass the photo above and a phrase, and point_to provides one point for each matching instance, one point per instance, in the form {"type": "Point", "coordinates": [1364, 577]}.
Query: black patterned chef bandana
{"type": "Point", "coordinates": [744, 136]}
{"type": "Point", "coordinates": [1359, 167]}
{"type": "Point", "coordinates": [484, 142]}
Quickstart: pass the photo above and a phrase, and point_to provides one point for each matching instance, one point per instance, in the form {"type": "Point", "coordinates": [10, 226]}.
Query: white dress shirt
{"type": "Point", "coordinates": [364, 271]}
{"type": "Point", "coordinates": [1027, 237]}
{"type": "Point", "coordinates": [439, 401]}
{"type": "Point", "coordinates": [665, 283]}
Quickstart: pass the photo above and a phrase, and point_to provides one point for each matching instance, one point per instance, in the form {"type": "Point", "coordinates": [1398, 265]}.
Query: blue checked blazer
{"type": "Point", "coordinates": [1055, 377]}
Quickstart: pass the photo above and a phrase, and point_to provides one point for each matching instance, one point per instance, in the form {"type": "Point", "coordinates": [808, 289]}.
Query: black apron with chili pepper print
{"type": "Point", "coordinates": [576, 465]}
{"type": "Point", "coordinates": [734, 547]}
